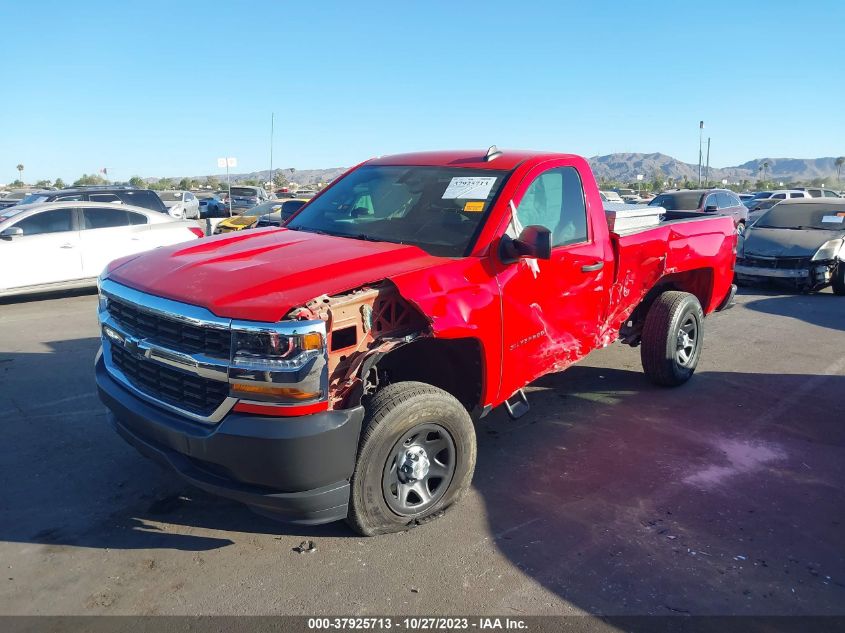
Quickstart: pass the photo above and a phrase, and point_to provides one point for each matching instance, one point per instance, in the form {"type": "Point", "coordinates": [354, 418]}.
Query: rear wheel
{"type": "Point", "coordinates": [672, 338]}
{"type": "Point", "coordinates": [415, 459]}
{"type": "Point", "coordinates": [838, 281]}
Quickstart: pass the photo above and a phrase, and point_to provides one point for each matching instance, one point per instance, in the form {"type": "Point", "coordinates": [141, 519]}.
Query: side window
{"type": "Point", "coordinates": [77, 196]}
{"type": "Point", "coordinates": [779, 196]}
{"type": "Point", "coordinates": [53, 221]}
{"type": "Point", "coordinates": [555, 200]}
{"type": "Point", "coordinates": [145, 199]}
{"type": "Point", "coordinates": [829, 194]}
{"type": "Point", "coordinates": [137, 218]}
{"type": "Point", "coordinates": [189, 197]}
{"type": "Point", "coordinates": [724, 200]}
{"type": "Point", "coordinates": [104, 197]}
{"type": "Point", "coordinates": [94, 218]}
{"type": "Point", "coordinates": [711, 201]}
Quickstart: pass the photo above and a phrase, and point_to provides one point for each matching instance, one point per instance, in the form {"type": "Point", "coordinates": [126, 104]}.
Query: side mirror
{"type": "Point", "coordinates": [11, 233]}
{"type": "Point", "coordinates": [711, 208]}
{"type": "Point", "coordinates": [534, 242]}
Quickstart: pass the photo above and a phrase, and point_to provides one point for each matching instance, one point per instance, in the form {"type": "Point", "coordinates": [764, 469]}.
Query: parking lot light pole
{"type": "Point", "coordinates": [700, 143]}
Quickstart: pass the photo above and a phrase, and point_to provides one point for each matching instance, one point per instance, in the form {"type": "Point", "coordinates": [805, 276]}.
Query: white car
{"type": "Point", "coordinates": [612, 196]}
{"type": "Point", "coordinates": [61, 245]}
{"type": "Point", "coordinates": [181, 204]}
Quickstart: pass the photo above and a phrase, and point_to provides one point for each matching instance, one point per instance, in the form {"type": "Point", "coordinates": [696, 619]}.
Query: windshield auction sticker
{"type": "Point", "coordinates": [472, 187]}
{"type": "Point", "coordinates": [837, 219]}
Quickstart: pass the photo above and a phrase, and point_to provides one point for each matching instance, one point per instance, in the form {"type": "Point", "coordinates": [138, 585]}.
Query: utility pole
{"type": "Point", "coordinates": [707, 169]}
{"type": "Point", "coordinates": [272, 123]}
{"type": "Point", "coordinates": [700, 141]}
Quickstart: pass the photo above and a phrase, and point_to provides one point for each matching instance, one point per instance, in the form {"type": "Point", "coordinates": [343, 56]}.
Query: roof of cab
{"type": "Point", "coordinates": [470, 159]}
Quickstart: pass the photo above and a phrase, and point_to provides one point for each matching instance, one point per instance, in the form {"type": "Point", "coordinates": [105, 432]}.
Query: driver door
{"type": "Point", "coordinates": [552, 309]}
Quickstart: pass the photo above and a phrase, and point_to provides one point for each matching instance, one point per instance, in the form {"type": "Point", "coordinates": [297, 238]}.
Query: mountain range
{"type": "Point", "coordinates": [624, 167]}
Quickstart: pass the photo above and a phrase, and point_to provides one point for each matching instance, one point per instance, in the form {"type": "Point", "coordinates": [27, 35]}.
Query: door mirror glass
{"type": "Point", "coordinates": [535, 242]}
{"type": "Point", "coordinates": [11, 233]}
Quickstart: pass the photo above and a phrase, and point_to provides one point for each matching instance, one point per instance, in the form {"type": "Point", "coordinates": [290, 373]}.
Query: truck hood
{"type": "Point", "coordinates": [261, 274]}
{"type": "Point", "coordinates": [786, 242]}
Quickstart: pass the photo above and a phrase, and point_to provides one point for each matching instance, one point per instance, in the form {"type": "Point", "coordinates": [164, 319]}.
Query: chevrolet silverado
{"type": "Point", "coordinates": [335, 367]}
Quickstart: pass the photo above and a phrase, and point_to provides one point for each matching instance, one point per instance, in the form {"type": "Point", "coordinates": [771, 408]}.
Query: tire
{"type": "Point", "coordinates": [838, 281]}
{"type": "Point", "coordinates": [433, 418]}
{"type": "Point", "coordinates": [667, 359]}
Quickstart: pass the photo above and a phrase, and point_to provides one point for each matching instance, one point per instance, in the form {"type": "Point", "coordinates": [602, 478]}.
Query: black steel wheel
{"type": "Point", "coordinates": [416, 458]}
{"type": "Point", "coordinates": [672, 338]}
{"type": "Point", "coordinates": [419, 469]}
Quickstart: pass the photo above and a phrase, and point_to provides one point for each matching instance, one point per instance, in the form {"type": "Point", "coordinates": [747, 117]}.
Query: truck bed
{"type": "Point", "coordinates": [685, 247]}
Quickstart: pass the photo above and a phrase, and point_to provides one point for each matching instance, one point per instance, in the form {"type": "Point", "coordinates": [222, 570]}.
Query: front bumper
{"type": "Point", "coordinates": [295, 469]}
{"type": "Point", "coordinates": [780, 273]}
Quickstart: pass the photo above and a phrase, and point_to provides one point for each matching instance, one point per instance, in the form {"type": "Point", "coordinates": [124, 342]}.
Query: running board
{"type": "Point", "coordinates": [517, 405]}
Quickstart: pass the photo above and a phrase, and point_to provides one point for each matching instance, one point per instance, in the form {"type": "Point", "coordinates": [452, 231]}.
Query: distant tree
{"type": "Point", "coordinates": [16, 183]}
{"type": "Point", "coordinates": [252, 182]}
{"type": "Point", "coordinates": [43, 184]}
{"type": "Point", "coordinates": [839, 162]}
{"type": "Point", "coordinates": [137, 181]}
{"type": "Point", "coordinates": [279, 179]}
{"type": "Point", "coordinates": [59, 184]}
{"type": "Point", "coordinates": [212, 182]}
{"type": "Point", "coordinates": [185, 184]}
{"type": "Point", "coordinates": [20, 171]}
{"type": "Point", "coordinates": [89, 179]}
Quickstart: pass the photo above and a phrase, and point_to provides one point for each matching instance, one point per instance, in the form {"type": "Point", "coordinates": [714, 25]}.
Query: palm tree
{"type": "Point", "coordinates": [839, 162]}
{"type": "Point", "coordinates": [20, 171]}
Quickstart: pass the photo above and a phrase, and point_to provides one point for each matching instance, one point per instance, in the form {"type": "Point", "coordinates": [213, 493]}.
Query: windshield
{"type": "Point", "coordinates": [244, 191]}
{"type": "Point", "coordinates": [438, 209]}
{"type": "Point", "coordinates": [170, 196]}
{"type": "Point", "coordinates": [264, 207]}
{"type": "Point", "coordinates": [683, 200]}
{"type": "Point", "coordinates": [15, 195]}
{"type": "Point", "coordinates": [803, 216]}
{"type": "Point", "coordinates": [34, 198]}
{"type": "Point", "coordinates": [11, 212]}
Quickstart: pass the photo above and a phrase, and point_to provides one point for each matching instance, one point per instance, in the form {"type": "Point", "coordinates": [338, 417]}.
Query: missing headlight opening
{"type": "Point", "coordinates": [361, 323]}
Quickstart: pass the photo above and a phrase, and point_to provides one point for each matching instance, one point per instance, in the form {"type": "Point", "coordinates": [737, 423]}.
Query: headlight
{"type": "Point", "coordinates": [828, 250]}
{"type": "Point", "coordinates": [283, 364]}
{"type": "Point", "coordinates": [274, 350]}
{"type": "Point", "coordinates": [101, 298]}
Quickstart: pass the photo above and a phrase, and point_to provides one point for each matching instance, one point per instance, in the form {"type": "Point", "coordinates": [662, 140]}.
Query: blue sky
{"type": "Point", "coordinates": [164, 88]}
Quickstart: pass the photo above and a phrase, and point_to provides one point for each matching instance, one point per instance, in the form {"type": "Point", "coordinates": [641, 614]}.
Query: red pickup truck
{"type": "Point", "coordinates": [334, 368]}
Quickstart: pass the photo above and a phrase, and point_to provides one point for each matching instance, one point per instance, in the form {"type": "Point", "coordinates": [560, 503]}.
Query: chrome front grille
{"type": "Point", "coordinates": [176, 388]}
{"type": "Point", "coordinates": [181, 357]}
{"type": "Point", "coordinates": [780, 263]}
{"type": "Point", "coordinates": [172, 333]}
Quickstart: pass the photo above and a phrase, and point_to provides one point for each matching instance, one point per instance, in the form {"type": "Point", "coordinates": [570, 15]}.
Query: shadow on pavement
{"type": "Point", "coordinates": [822, 309]}
{"type": "Point", "coordinates": [49, 296]}
{"type": "Point", "coordinates": [722, 496]}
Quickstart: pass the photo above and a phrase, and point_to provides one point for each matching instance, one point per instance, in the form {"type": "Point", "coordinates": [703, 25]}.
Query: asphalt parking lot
{"type": "Point", "coordinates": [724, 496]}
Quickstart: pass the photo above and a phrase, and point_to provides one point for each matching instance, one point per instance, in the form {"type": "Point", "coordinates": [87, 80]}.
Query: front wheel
{"type": "Point", "coordinates": [672, 338]}
{"type": "Point", "coordinates": [416, 458]}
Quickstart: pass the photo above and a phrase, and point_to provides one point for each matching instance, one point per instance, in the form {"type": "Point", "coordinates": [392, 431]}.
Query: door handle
{"type": "Point", "coordinates": [589, 268]}
{"type": "Point", "coordinates": [67, 246]}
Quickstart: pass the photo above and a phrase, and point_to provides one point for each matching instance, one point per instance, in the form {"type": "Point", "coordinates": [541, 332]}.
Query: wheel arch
{"type": "Point", "coordinates": [697, 282]}
{"type": "Point", "coordinates": [453, 365]}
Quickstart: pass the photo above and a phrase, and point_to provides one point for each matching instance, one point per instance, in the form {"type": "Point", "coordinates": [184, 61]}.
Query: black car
{"type": "Point", "coordinates": [798, 242]}
{"type": "Point", "coordinates": [705, 202]}
{"type": "Point", "coordinates": [145, 198]}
